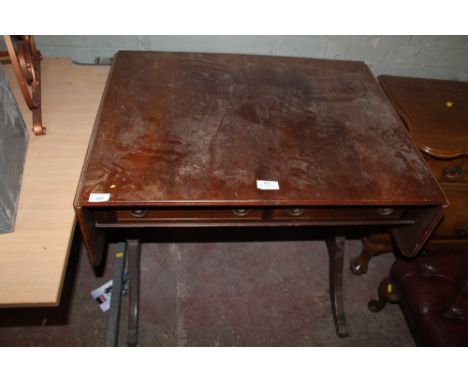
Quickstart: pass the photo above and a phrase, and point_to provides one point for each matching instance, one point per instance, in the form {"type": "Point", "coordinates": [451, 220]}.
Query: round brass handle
{"type": "Point", "coordinates": [138, 213]}
{"type": "Point", "coordinates": [295, 211]}
{"type": "Point", "coordinates": [241, 211]}
{"type": "Point", "coordinates": [454, 173]}
{"type": "Point", "coordinates": [385, 211]}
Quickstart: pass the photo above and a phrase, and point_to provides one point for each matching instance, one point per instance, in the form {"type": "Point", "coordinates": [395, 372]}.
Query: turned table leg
{"type": "Point", "coordinates": [133, 254]}
{"type": "Point", "coordinates": [372, 245]}
{"type": "Point", "coordinates": [336, 250]}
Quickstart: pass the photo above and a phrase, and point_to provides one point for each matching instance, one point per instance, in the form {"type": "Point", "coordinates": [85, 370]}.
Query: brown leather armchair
{"type": "Point", "coordinates": [432, 290]}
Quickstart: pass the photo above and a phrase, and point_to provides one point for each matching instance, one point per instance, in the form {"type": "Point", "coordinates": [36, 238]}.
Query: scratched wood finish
{"type": "Point", "coordinates": [184, 128]}
{"type": "Point", "coordinates": [183, 131]}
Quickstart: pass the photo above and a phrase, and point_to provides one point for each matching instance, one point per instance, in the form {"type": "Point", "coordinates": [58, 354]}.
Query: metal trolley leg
{"type": "Point", "coordinates": [134, 255]}
{"type": "Point", "coordinates": [116, 299]}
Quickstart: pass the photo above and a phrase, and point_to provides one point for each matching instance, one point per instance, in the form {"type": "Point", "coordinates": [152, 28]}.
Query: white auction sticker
{"type": "Point", "coordinates": [267, 185]}
{"type": "Point", "coordinates": [96, 198]}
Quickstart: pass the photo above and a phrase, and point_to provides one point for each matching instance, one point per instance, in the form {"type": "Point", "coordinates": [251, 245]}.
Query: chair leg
{"type": "Point", "coordinates": [387, 293]}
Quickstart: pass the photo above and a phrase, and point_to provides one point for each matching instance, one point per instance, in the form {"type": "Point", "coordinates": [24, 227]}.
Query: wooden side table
{"type": "Point", "coordinates": [436, 114]}
{"type": "Point", "coordinates": [215, 140]}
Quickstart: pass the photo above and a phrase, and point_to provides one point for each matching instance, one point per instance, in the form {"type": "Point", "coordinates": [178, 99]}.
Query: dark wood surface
{"type": "Point", "coordinates": [181, 140]}
{"type": "Point", "coordinates": [200, 129]}
{"type": "Point", "coordinates": [435, 111]}
{"type": "Point", "coordinates": [185, 136]}
{"type": "Point", "coordinates": [436, 114]}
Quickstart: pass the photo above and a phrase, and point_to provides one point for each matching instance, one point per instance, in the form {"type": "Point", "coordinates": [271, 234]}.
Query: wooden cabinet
{"type": "Point", "coordinates": [436, 115]}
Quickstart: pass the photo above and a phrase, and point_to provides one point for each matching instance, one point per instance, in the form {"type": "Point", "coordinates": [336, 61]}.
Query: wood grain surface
{"type": "Point", "coordinates": [182, 138]}
{"type": "Point", "coordinates": [200, 129]}
{"type": "Point", "coordinates": [436, 114]}
{"type": "Point", "coordinates": [34, 257]}
{"type": "Point", "coordinates": [435, 111]}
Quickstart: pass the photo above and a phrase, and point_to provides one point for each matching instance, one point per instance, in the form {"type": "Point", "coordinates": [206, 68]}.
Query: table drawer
{"type": "Point", "coordinates": [267, 215]}
{"type": "Point", "coordinates": [264, 215]}
{"type": "Point", "coordinates": [454, 224]}
{"type": "Point", "coordinates": [451, 171]}
{"type": "Point", "coordinates": [186, 214]}
{"type": "Point", "coordinates": [335, 214]}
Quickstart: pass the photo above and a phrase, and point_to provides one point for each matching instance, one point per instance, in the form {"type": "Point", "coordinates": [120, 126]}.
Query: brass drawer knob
{"type": "Point", "coordinates": [241, 211]}
{"type": "Point", "coordinates": [138, 213]}
{"type": "Point", "coordinates": [454, 173]}
{"type": "Point", "coordinates": [295, 211]}
{"type": "Point", "coordinates": [385, 211]}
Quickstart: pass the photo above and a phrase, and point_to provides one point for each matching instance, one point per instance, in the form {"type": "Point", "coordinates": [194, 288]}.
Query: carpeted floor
{"type": "Point", "coordinates": [268, 293]}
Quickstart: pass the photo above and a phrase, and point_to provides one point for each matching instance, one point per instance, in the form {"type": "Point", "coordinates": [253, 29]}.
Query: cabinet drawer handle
{"type": "Point", "coordinates": [295, 211]}
{"type": "Point", "coordinates": [385, 211]}
{"type": "Point", "coordinates": [453, 173]}
{"type": "Point", "coordinates": [138, 213]}
{"type": "Point", "coordinates": [462, 231]}
{"type": "Point", "coordinates": [241, 211]}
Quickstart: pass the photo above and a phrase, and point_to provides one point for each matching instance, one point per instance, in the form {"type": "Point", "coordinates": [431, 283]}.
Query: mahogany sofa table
{"type": "Point", "coordinates": [182, 139]}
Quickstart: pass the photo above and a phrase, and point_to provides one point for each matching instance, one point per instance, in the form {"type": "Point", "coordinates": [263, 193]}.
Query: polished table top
{"type": "Point", "coordinates": [189, 130]}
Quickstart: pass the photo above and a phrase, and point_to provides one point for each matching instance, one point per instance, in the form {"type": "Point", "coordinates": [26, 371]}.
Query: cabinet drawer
{"type": "Point", "coordinates": [449, 171]}
{"type": "Point", "coordinates": [454, 224]}
{"type": "Point", "coordinates": [334, 214]}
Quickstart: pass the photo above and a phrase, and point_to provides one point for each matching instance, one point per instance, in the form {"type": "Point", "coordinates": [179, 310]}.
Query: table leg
{"type": "Point", "coordinates": [336, 250]}
{"type": "Point", "coordinates": [134, 254]}
{"type": "Point", "coordinates": [116, 299]}
{"type": "Point", "coordinates": [372, 245]}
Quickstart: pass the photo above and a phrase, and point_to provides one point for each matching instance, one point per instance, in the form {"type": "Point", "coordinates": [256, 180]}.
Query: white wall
{"type": "Point", "coordinates": [444, 57]}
